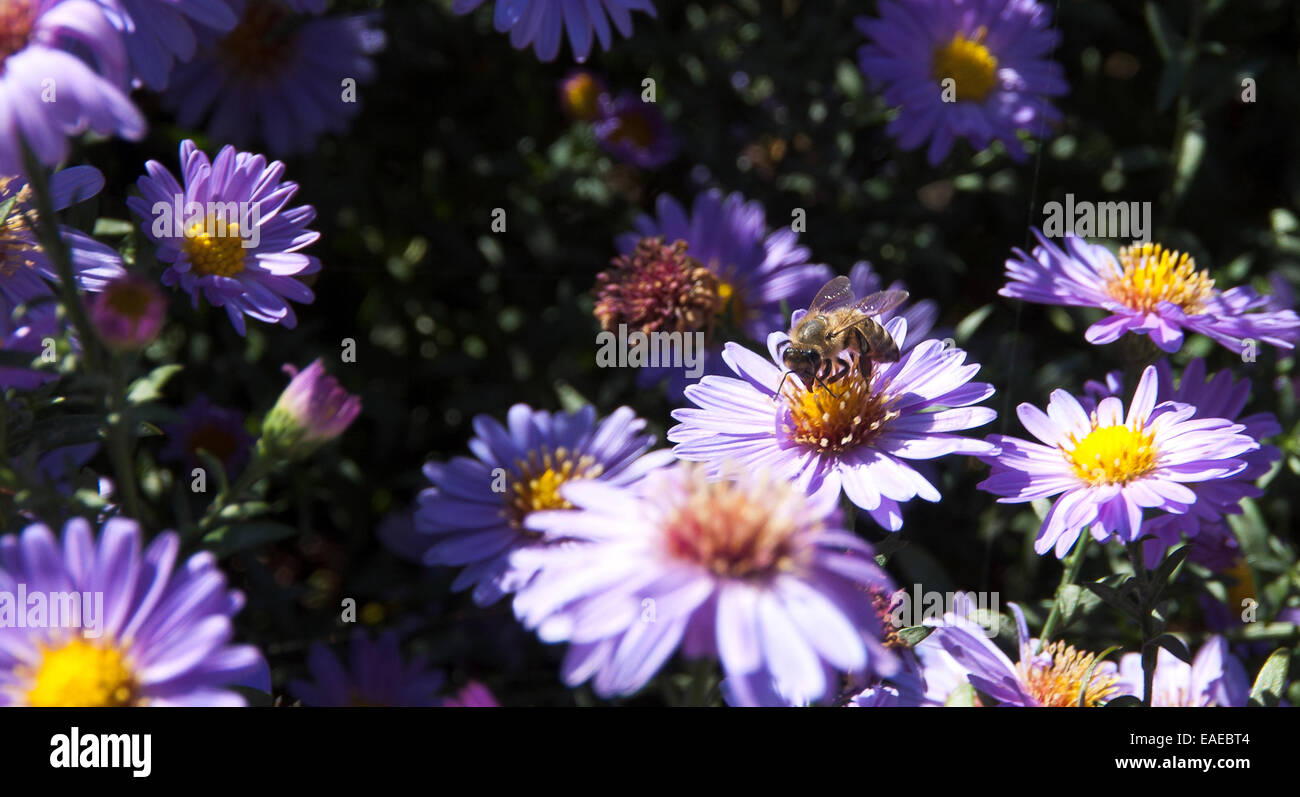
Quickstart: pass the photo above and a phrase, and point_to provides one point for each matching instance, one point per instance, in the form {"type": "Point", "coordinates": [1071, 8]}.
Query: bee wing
{"type": "Point", "coordinates": [881, 302]}
{"type": "Point", "coordinates": [833, 294]}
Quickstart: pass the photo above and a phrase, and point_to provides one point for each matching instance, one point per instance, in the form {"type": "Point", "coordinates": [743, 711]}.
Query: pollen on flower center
{"type": "Point", "coordinates": [535, 487]}
{"type": "Point", "coordinates": [1056, 676]}
{"type": "Point", "coordinates": [658, 288]}
{"type": "Point", "coordinates": [258, 47]}
{"type": "Point", "coordinates": [737, 530]}
{"type": "Point", "coordinates": [82, 674]}
{"type": "Point", "coordinates": [850, 414]}
{"type": "Point", "coordinates": [969, 63]}
{"type": "Point", "coordinates": [1112, 454]}
{"type": "Point", "coordinates": [1151, 274]}
{"type": "Point", "coordinates": [16, 20]}
{"type": "Point", "coordinates": [212, 252]}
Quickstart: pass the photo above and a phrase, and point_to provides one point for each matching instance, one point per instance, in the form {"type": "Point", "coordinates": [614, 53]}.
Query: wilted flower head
{"type": "Point", "coordinates": [70, 48]}
{"type": "Point", "coordinates": [583, 95]}
{"type": "Point", "coordinates": [376, 675]}
{"type": "Point", "coordinates": [1060, 676]}
{"type": "Point", "coordinates": [635, 132]}
{"type": "Point", "coordinates": [129, 313]}
{"type": "Point", "coordinates": [1109, 467]}
{"type": "Point", "coordinates": [229, 233]}
{"type": "Point", "coordinates": [164, 635]}
{"type": "Point", "coordinates": [1214, 678]}
{"type": "Point", "coordinates": [973, 69]}
{"type": "Point", "coordinates": [276, 76]}
{"type": "Point", "coordinates": [658, 288]}
{"type": "Point", "coordinates": [313, 410]}
{"type": "Point", "coordinates": [1148, 290]}
{"type": "Point", "coordinates": [747, 570]}
{"type": "Point", "coordinates": [542, 23]}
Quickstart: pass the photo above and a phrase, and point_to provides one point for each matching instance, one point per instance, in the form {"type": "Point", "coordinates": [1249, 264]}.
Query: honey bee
{"type": "Point", "coordinates": [836, 322]}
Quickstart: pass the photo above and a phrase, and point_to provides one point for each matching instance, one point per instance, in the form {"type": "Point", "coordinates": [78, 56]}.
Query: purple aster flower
{"type": "Point", "coordinates": [1219, 396]}
{"type": "Point", "coordinates": [541, 22]}
{"type": "Point", "coordinates": [62, 72]}
{"type": "Point", "coordinates": [749, 571]}
{"type": "Point", "coordinates": [1054, 677]}
{"type": "Point", "coordinates": [27, 334]}
{"type": "Point", "coordinates": [25, 271]}
{"type": "Point", "coordinates": [129, 313]}
{"type": "Point", "coordinates": [1148, 290]}
{"type": "Point", "coordinates": [1108, 467]}
{"type": "Point", "coordinates": [755, 270]}
{"type": "Point", "coordinates": [973, 69]}
{"type": "Point", "coordinates": [313, 410]}
{"type": "Point", "coordinates": [229, 233]}
{"type": "Point", "coordinates": [474, 516]}
{"type": "Point", "coordinates": [158, 33]}
{"type": "Point", "coordinates": [376, 675]}
{"type": "Point", "coordinates": [866, 437]}
{"type": "Point", "coordinates": [635, 132]}
{"type": "Point", "coordinates": [217, 430]}
{"type": "Point", "coordinates": [1214, 678]}
{"type": "Point", "coordinates": [472, 695]}
{"type": "Point", "coordinates": [157, 635]}
{"type": "Point", "coordinates": [276, 76]}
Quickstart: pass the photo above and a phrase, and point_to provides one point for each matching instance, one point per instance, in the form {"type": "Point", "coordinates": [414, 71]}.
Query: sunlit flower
{"type": "Point", "coordinates": [1108, 467]}
{"type": "Point", "coordinates": [635, 132]}
{"type": "Point", "coordinates": [749, 571]}
{"type": "Point", "coordinates": [973, 69]}
{"type": "Point", "coordinates": [542, 23]}
{"type": "Point", "coordinates": [62, 72]}
{"type": "Point", "coordinates": [376, 674]}
{"type": "Point", "coordinates": [1058, 676]}
{"type": "Point", "coordinates": [1214, 678]}
{"type": "Point", "coordinates": [277, 77]}
{"type": "Point", "coordinates": [313, 410]}
{"type": "Point", "coordinates": [165, 627]}
{"type": "Point", "coordinates": [475, 514]}
{"type": "Point", "coordinates": [1148, 290]}
{"type": "Point", "coordinates": [865, 435]}
{"type": "Point", "coordinates": [243, 252]}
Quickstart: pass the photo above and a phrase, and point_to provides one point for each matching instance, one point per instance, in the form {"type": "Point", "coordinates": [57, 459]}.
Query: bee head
{"type": "Point", "coordinates": [803, 363]}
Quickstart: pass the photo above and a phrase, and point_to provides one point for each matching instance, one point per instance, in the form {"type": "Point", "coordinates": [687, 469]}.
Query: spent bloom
{"type": "Point", "coordinates": [277, 77]}
{"type": "Point", "coordinates": [1148, 290]}
{"type": "Point", "coordinates": [972, 69]}
{"type": "Point", "coordinates": [158, 33]}
{"type": "Point", "coordinates": [749, 571]}
{"type": "Point", "coordinates": [313, 410]}
{"type": "Point", "coordinates": [1058, 676]}
{"type": "Point", "coordinates": [475, 514]}
{"type": "Point", "coordinates": [1214, 678]}
{"type": "Point", "coordinates": [542, 23]}
{"type": "Point", "coordinates": [160, 638]}
{"type": "Point", "coordinates": [129, 313]}
{"type": "Point", "coordinates": [204, 426]}
{"type": "Point", "coordinates": [1108, 466]}
{"type": "Point", "coordinates": [26, 273]}
{"type": "Point", "coordinates": [635, 132]}
{"type": "Point", "coordinates": [229, 234]}
{"type": "Point", "coordinates": [868, 434]}
{"type": "Point", "coordinates": [755, 270]}
{"type": "Point", "coordinates": [375, 674]}
{"type": "Point", "coordinates": [68, 47]}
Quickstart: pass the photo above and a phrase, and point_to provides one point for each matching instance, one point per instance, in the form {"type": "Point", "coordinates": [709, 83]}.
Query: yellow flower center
{"type": "Point", "coordinates": [17, 243]}
{"type": "Point", "coordinates": [1112, 454]}
{"type": "Point", "coordinates": [849, 415]}
{"type": "Point", "coordinates": [734, 530]}
{"type": "Point", "coordinates": [129, 299]}
{"type": "Point", "coordinates": [536, 486]}
{"type": "Point", "coordinates": [16, 20]}
{"type": "Point", "coordinates": [1151, 274]}
{"type": "Point", "coordinates": [581, 95]}
{"type": "Point", "coordinates": [973, 69]}
{"type": "Point", "coordinates": [213, 252]}
{"type": "Point", "coordinates": [1058, 684]}
{"type": "Point", "coordinates": [83, 674]}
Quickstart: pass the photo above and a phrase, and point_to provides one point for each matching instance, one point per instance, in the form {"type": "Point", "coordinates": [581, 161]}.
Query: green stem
{"type": "Point", "coordinates": [701, 682]}
{"type": "Point", "coordinates": [1068, 577]}
{"type": "Point", "coordinates": [257, 468]}
{"type": "Point", "coordinates": [1144, 608]}
{"type": "Point", "coordinates": [119, 439]}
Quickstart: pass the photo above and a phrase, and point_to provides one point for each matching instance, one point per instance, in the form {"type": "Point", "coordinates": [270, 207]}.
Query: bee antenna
{"type": "Point", "coordinates": [784, 377]}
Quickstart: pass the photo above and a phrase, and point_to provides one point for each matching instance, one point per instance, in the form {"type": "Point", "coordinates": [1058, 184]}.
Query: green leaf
{"type": "Point", "coordinates": [962, 697]}
{"type": "Point", "coordinates": [1267, 690]}
{"type": "Point", "coordinates": [1174, 645]}
{"type": "Point", "coordinates": [229, 540]}
{"type": "Point", "coordinates": [217, 467]}
{"type": "Point", "coordinates": [1165, 573]}
{"type": "Point", "coordinates": [1124, 700]}
{"type": "Point", "coordinates": [967, 326]}
{"type": "Point", "coordinates": [112, 227]}
{"type": "Point", "coordinates": [1161, 31]}
{"type": "Point", "coordinates": [1087, 677]}
{"type": "Point", "coordinates": [913, 635]}
{"type": "Point", "coordinates": [149, 387]}
{"type": "Point", "coordinates": [7, 207]}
